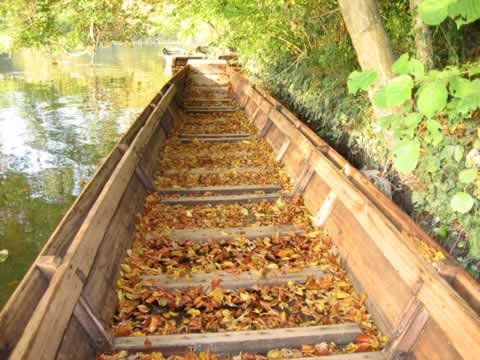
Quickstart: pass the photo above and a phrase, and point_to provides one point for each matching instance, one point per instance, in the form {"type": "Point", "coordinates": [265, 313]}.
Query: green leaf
{"type": "Point", "coordinates": [405, 66]}
{"type": "Point", "coordinates": [432, 99]}
{"type": "Point", "coordinates": [468, 104]}
{"type": "Point", "coordinates": [474, 70]}
{"type": "Point", "coordinates": [416, 68]}
{"type": "Point", "coordinates": [434, 132]}
{"type": "Point", "coordinates": [474, 241]}
{"type": "Point", "coordinates": [396, 92]}
{"type": "Point", "coordinates": [405, 156]}
{"type": "Point", "coordinates": [433, 12]}
{"type": "Point", "coordinates": [441, 232]}
{"type": "Point", "coordinates": [468, 175]}
{"type": "Point", "coordinates": [461, 87]}
{"type": "Point", "coordinates": [458, 153]}
{"type": "Point", "coordinates": [412, 120]}
{"type": "Point", "coordinates": [464, 11]}
{"type": "Point", "coordinates": [361, 80]}
{"type": "Point", "coordinates": [462, 202]}
{"type": "Point", "coordinates": [400, 67]}
{"type": "Point", "coordinates": [3, 255]}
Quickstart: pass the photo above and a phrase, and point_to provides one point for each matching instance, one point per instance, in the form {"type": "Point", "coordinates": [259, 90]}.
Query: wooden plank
{"type": "Point", "coordinates": [266, 127]}
{"type": "Point", "coordinates": [445, 306]}
{"type": "Point", "coordinates": [283, 150]}
{"type": "Point", "coordinates": [210, 154]}
{"type": "Point", "coordinates": [84, 314]}
{"type": "Point", "coordinates": [243, 280]}
{"type": "Point", "coordinates": [218, 234]}
{"type": "Point", "coordinates": [214, 140]}
{"type": "Point", "coordinates": [351, 356]}
{"type": "Point", "coordinates": [218, 171]}
{"type": "Point", "coordinates": [87, 318]}
{"type": "Point", "coordinates": [325, 210]}
{"type": "Point", "coordinates": [146, 181]}
{"type": "Point", "coordinates": [68, 281]}
{"type": "Point", "coordinates": [239, 189]}
{"type": "Point", "coordinates": [207, 80]}
{"type": "Point", "coordinates": [209, 109]}
{"type": "Point", "coordinates": [224, 199]}
{"type": "Point", "coordinates": [303, 179]}
{"type": "Point", "coordinates": [226, 135]}
{"type": "Point", "coordinates": [241, 341]}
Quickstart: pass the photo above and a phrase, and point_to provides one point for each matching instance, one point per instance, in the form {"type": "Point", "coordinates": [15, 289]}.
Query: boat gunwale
{"type": "Point", "coordinates": [76, 214]}
{"type": "Point", "coordinates": [430, 290]}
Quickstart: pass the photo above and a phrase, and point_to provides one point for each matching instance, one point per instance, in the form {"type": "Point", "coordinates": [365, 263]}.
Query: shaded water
{"type": "Point", "coordinates": [57, 124]}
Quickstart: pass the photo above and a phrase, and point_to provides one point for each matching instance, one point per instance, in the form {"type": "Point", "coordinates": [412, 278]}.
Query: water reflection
{"type": "Point", "coordinates": [57, 123]}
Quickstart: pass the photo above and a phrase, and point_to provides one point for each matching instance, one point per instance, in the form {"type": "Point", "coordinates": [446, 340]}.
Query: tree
{"type": "Point", "coordinates": [73, 25]}
{"type": "Point", "coordinates": [369, 38]}
{"type": "Point", "coordinates": [423, 36]}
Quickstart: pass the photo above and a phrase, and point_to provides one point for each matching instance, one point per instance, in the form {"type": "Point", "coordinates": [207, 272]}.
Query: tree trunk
{"type": "Point", "coordinates": [370, 41]}
{"type": "Point", "coordinates": [423, 36]}
{"type": "Point", "coordinates": [369, 38]}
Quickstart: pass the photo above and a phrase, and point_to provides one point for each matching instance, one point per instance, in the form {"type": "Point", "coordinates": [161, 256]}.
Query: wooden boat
{"type": "Point", "coordinates": [176, 58]}
{"type": "Point", "coordinates": [64, 306]}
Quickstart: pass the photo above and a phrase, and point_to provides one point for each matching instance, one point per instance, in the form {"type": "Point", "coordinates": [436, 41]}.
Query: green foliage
{"type": "Point", "coordinates": [405, 66]}
{"type": "Point", "coordinates": [361, 80]}
{"type": "Point", "coordinates": [437, 139]}
{"type": "Point", "coordinates": [395, 93]}
{"type": "Point", "coordinates": [432, 98]}
{"type": "Point", "coordinates": [405, 155]}
{"type": "Point", "coordinates": [72, 25]}
{"type": "Point", "coordinates": [434, 12]}
{"type": "Point", "coordinates": [462, 202]}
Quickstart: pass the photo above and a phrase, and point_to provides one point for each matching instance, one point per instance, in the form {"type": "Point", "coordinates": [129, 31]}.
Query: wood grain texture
{"type": "Point", "coordinates": [207, 136]}
{"type": "Point", "coordinates": [222, 189]}
{"type": "Point", "coordinates": [241, 280]}
{"type": "Point", "coordinates": [214, 139]}
{"type": "Point", "coordinates": [440, 300]}
{"type": "Point", "coordinates": [245, 341]}
{"type": "Point", "coordinates": [19, 309]}
{"type": "Point", "coordinates": [68, 281]}
{"type": "Point", "coordinates": [248, 232]}
{"type": "Point", "coordinates": [218, 171]}
{"type": "Point", "coordinates": [224, 199]}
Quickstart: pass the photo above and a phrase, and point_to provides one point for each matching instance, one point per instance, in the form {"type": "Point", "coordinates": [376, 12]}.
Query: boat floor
{"type": "Point", "coordinates": [226, 263]}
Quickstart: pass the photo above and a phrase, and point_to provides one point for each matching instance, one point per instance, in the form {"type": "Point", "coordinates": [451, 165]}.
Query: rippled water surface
{"type": "Point", "coordinates": [57, 123]}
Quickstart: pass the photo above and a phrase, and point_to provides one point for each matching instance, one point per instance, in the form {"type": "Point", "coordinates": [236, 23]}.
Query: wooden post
{"type": "Point", "coordinates": [325, 210]}
{"type": "Point", "coordinates": [140, 172]}
{"type": "Point", "coordinates": [304, 178]}
{"type": "Point", "coordinates": [99, 338]}
{"type": "Point", "coordinates": [409, 328]}
{"type": "Point", "coordinates": [283, 150]}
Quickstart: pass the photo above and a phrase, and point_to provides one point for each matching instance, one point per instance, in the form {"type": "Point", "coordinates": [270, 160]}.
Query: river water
{"type": "Point", "coordinates": [58, 121]}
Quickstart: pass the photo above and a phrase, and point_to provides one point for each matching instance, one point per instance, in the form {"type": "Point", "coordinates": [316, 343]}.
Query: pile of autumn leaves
{"type": "Point", "coordinates": [145, 308]}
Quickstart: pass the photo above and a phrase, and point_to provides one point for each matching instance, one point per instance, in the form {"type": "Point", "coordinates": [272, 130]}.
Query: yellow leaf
{"type": "Point", "coordinates": [244, 212]}
{"type": "Point", "coordinates": [189, 213]}
{"type": "Point", "coordinates": [280, 203]}
{"type": "Point", "coordinates": [341, 294]}
{"type": "Point", "coordinates": [194, 312]}
{"type": "Point", "coordinates": [245, 296]}
{"type": "Point", "coordinates": [285, 253]}
{"type": "Point", "coordinates": [143, 308]}
{"type": "Point", "coordinates": [216, 294]}
{"type": "Point", "coordinates": [227, 316]}
{"type": "Point", "coordinates": [126, 268]}
{"type": "Point", "coordinates": [439, 256]}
